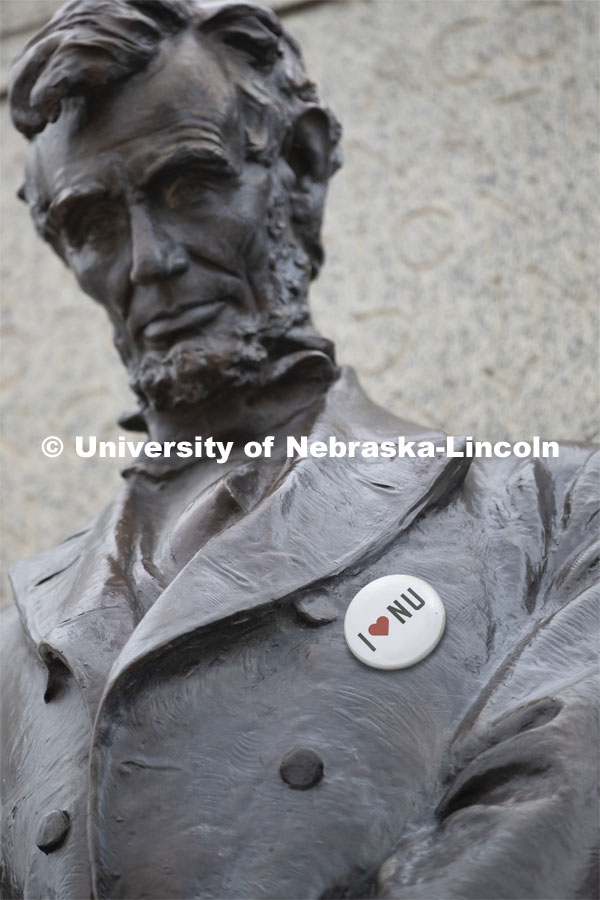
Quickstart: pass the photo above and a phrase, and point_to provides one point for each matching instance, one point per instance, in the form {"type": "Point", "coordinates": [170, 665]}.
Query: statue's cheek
{"type": "Point", "coordinates": [101, 275]}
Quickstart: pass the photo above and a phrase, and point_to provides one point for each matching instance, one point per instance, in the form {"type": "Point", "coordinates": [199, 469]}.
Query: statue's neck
{"type": "Point", "coordinates": [288, 403]}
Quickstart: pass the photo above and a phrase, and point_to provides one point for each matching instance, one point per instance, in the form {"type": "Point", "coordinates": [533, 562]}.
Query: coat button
{"type": "Point", "coordinates": [301, 769]}
{"type": "Point", "coordinates": [53, 829]}
{"type": "Point", "coordinates": [316, 610]}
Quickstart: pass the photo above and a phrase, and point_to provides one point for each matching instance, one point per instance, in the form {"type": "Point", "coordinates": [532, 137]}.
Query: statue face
{"type": "Point", "coordinates": [167, 224]}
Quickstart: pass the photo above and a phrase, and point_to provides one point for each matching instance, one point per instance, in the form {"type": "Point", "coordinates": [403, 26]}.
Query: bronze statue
{"type": "Point", "coordinates": [182, 715]}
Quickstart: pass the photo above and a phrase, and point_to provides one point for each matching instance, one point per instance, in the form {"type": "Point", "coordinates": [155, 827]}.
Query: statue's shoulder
{"type": "Point", "coordinates": [567, 483]}
{"type": "Point", "coordinates": [31, 578]}
{"type": "Point", "coordinates": [548, 511]}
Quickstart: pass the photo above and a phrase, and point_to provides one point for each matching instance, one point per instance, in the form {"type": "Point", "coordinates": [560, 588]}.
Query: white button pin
{"type": "Point", "coordinates": [394, 622]}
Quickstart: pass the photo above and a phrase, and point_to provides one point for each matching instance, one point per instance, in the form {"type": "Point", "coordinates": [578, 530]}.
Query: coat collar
{"type": "Point", "coordinates": [274, 551]}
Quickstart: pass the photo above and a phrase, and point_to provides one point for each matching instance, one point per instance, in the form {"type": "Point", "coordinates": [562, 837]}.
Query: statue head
{"type": "Point", "coordinates": [178, 163]}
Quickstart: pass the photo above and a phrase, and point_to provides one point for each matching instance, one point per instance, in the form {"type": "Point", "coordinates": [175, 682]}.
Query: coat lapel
{"type": "Point", "coordinates": [323, 516]}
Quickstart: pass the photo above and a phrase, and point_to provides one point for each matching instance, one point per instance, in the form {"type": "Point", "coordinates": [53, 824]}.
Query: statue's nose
{"type": "Point", "coordinates": [155, 254]}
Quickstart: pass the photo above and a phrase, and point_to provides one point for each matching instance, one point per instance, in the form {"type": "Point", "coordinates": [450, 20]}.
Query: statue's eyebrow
{"type": "Point", "coordinates": [72, 197]}
{"type": "Point", "coordinates": [211, 158]}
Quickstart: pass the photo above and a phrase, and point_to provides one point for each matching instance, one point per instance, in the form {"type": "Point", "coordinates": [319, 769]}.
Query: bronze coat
{"type": "Point", "coordinates": [468, 775]}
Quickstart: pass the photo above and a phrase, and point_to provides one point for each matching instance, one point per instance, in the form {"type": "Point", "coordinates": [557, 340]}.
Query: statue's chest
{"type": "Point", "coordinates": [271, 766]}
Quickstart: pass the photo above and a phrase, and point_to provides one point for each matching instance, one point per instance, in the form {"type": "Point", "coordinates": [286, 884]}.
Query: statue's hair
{"type": "Point", "coordinates": [90, 46]}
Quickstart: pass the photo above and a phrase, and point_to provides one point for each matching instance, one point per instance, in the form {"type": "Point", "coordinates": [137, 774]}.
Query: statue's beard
{"type": "Point", "coordinates": [190, 371]}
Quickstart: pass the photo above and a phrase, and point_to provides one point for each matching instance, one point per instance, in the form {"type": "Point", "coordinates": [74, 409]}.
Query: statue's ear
{"type": "Point", "coordinates": [308, 148]}
{"type": "Point", "coordinates": [308, 154]}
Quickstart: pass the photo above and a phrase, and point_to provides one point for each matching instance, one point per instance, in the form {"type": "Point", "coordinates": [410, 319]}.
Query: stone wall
{"type": "Point", "coordinates": [461, 236]}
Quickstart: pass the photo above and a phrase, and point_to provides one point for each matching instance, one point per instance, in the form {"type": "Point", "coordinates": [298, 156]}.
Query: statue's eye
{"type": "Point", "coordinates": [95, 222]}
{"type": "Point", "coordinates": [189, 189]}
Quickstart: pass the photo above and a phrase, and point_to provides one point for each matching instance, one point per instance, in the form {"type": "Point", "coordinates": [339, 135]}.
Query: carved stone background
{"type": "Point", "coordinates": [462, 238]}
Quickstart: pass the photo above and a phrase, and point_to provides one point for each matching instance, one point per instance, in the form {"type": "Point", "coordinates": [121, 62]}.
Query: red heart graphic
{"type": "Point", "coordinates": [381, 626]}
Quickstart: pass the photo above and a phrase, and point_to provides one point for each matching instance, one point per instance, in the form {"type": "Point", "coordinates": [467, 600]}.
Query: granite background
{"type": "Point", "coordinates": [461, 235]}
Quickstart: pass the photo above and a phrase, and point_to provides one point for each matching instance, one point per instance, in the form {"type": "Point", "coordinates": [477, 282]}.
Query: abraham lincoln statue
{"type": "Point", "coordinates": [183, 717]}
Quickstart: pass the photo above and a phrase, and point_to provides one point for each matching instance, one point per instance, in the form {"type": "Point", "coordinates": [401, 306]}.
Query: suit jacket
{"type": "Point", "coordinates": [142, 757]}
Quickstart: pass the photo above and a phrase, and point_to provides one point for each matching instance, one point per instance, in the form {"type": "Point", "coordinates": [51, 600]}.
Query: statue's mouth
{"type": "Point", "coordinates": [184, 319]}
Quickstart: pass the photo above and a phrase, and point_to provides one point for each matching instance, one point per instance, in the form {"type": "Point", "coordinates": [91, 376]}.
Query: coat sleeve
{"type": "Point", "coordinates": [519, 816]}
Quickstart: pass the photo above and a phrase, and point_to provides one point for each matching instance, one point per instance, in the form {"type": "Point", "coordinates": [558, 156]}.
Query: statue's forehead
{"type": "Point", "coordinates": [186, 97]}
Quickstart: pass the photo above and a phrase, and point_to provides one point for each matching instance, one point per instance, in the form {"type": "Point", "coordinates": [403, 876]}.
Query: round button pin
{"type": "Point", "coordinates": [394, 622]}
